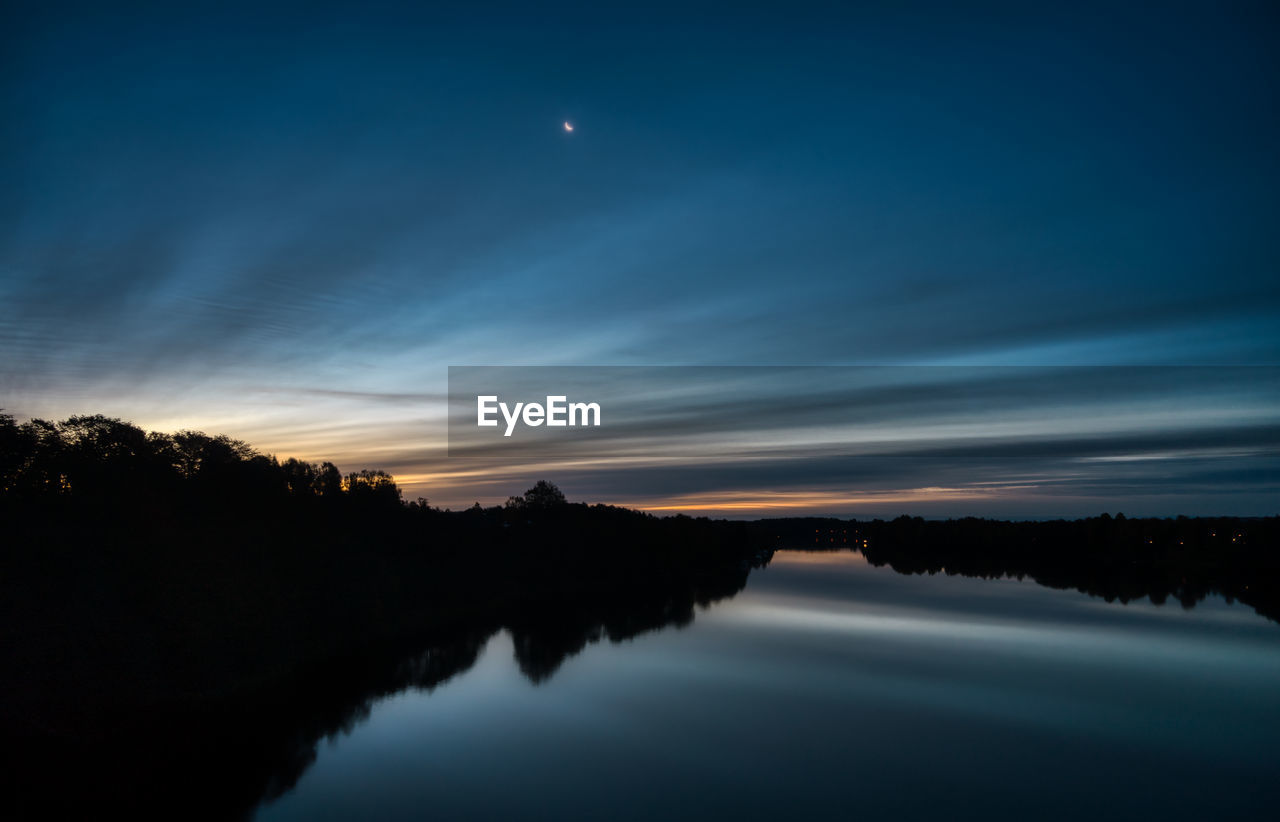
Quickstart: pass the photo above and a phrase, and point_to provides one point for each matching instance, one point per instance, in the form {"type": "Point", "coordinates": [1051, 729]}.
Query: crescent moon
{"type": "Point", "coordinates": [567, 126]}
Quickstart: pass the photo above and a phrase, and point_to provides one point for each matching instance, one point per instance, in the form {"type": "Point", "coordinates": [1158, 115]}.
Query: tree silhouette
{"type": "Point", "coordinates": [370, 485]}
{"type": "Point", "coordinates": [544, 495]}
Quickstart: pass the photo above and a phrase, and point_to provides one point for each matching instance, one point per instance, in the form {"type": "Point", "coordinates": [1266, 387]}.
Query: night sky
{"type": "Point", "coordinates": [285, 222]}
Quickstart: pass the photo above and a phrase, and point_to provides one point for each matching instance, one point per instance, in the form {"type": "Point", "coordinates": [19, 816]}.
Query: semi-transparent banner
{"type": "Point", "coordinates": [647, 414]}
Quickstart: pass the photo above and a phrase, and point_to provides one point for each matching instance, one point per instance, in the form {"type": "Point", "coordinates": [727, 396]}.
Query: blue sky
{"type": "Point", "coordinates": [285, 222]}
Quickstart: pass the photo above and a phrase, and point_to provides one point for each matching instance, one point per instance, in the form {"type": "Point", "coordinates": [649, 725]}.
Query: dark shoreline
{"type": "Point", "coordinates": [138, 701]}
{"type": "Point", "coordinates": [138, 672]}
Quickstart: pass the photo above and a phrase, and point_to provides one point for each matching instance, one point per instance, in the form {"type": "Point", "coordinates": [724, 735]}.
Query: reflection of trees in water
{"type": "Point", "coordinates": [543, 635]}
{"type": "Point", "coordinates": [1115, 558]}
{"type": "Point", "coordinates": [548, 631]}
{"type": "Point", "coordinates": [1121, 583]}
{"type": "Point", "coordinates": [334, 702]}
{"type": "Point", "coordinates": [256, 748]}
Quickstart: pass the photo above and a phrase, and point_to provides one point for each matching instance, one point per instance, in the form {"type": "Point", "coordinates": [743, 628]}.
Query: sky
{"type": "Point", "coordinates": [286, 222]}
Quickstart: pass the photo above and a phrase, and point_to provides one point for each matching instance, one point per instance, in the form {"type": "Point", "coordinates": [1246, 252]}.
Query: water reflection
{"type": "Point", "coordinates": [829, 688]}
{"type": "Point", "coordinates": [257, 748]}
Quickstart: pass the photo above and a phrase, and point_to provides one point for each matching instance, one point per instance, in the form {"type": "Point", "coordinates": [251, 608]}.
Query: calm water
{"type": "Point", "coordinates": [832, 689]}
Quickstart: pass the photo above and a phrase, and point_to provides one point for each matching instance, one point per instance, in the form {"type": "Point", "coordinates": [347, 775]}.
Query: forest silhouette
{"type": "Point", "coordinates": [183, 615]}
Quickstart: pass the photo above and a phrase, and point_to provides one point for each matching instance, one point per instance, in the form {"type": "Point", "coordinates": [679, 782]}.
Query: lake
{"type": "Point", "coordinates": [832, 689]}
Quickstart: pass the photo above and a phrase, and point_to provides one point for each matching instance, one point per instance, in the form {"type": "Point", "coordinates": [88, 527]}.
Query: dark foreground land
{"type": "Point", "coordinates": [182, 616]}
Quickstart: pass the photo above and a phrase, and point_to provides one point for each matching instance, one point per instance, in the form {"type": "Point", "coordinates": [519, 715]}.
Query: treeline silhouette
{"type": "Point", "coordinates": [106, 464]}
{"type": "Point", "coordinates": [183, 616]}
{"type": "Point", "coordinates": [1117, 558]}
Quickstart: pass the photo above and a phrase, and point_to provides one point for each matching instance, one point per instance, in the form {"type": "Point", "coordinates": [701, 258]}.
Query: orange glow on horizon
{"type": "Point", "coordinates": [804, 500]}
